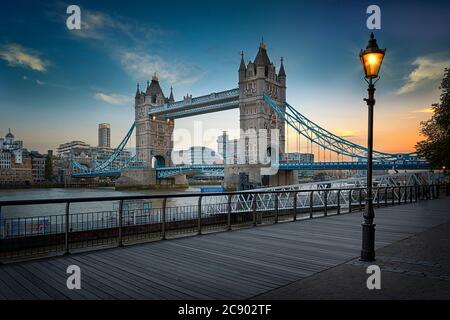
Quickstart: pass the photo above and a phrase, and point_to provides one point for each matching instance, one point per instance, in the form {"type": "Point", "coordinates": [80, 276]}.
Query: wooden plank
{"type": "Point", "coordinates": [145, 275]}
{"type": "Point", "coordinates": [48, 279]}
{"type": "Point", "coordinates": [96, 282]}
{"type": "Point", "coordinates": [227, 265]}
{"type": "Point", "coordinates": [185, 284]}
{"type": "Point", "coordinates": [7, 293]}
{"type": "Point", "coordinates": [212, 281]}
{"type": "Point", "coordinates": [215, 268]}
{"type": "Point", "coordinates": [115, 286]}
{"type": "Point", "coordinates": [89, 284]}
{"type": "Point", "coordinates": [58, 278]}
{"type": "Point", "coordinates": [27, 288]}
{"type": "Point", "coordinates": [50, 293]}
{"type": "Point", "coordinates": [140, 283]}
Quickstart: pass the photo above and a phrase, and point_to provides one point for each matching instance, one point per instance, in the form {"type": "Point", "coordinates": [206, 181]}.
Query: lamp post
{"type": "Point", "coordinates": [371, 59]}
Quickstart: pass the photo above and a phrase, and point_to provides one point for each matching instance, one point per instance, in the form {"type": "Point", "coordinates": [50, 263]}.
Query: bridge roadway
{"type": "Point", "coordinates": [166, 172]}
{"type": "Point", "coordinates": [237, 264]}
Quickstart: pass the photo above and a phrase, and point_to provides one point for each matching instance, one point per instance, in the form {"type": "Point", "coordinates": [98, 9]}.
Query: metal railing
{"type": "Point", "coordinates": [25, 237]}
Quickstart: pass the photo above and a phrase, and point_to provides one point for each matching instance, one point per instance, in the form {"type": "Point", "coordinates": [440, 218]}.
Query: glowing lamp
{"type": "Point", "coordinates": [371, 58]}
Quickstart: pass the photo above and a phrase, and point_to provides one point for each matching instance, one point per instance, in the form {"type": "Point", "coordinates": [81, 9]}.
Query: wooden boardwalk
{"type": "Point", "coordinates": [228, 265]}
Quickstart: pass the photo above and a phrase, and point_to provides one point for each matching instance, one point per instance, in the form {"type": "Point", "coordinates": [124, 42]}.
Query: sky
{"type": "Point", "coordinates": [57, 85]}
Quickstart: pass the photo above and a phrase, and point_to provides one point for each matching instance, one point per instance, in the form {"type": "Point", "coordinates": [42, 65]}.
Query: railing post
{"type": "Point", "coordinates": [295, 206]}
{"type": "Point", "coordinates": [410, 194]}
{"type": "Point", "coordinates": [325, 198]}
{"type": "Point", "coordinates": [385, 196]}
{"type": "Point", "coordinates": [276, 207]}
{"type": "Point", "coordinates": [399, 195]}
{"type": "Point", "coordinates": [378, 197]}
{"type": "Point", "coordinates": [67, 229]}
{"type": "Point", "coordinates": [120, 223]}
{"type": "Point", "coordinates": [405, 200]}
{"type": "Point", "coordinates": [338, 202]}
{"type": "Point", "coordinates": [433, 191]}
{"type": "Point", "coordinates": [350, 201]}
{"type": "Point", "coordinates": [2, 227]}
{"type": "Point", "coordinates": [254, 209]}
{"type": "Point", "coordinates": [229, 212]}
{"type": "Point", "coordinates": [393, 196]}
{"type": "Point", "coordinates": [163, 219]}
{"type": "Point", "coordinates": [311, 200]}
{"type": "Point", "coordinates": [360, 199]}
{"type": "Point", "coordinates": [199, 216]}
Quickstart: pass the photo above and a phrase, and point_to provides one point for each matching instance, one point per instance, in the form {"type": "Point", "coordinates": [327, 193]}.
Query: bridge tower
{"type": "Point", "coordinates": [256, 78]}
{"type": "Point", "coordinates": [154, 142]}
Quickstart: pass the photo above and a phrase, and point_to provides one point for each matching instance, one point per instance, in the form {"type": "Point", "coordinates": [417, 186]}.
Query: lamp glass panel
{"type": "Point", "coordinates": [371, 63]}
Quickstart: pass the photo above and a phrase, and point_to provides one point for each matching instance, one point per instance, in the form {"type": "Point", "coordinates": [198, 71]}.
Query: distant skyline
{"type": "Point", "coordinates": [57, 85]}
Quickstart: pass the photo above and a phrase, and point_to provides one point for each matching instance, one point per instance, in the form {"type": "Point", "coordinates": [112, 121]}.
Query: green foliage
{"type": "Point", "coordinates": [436, 146]}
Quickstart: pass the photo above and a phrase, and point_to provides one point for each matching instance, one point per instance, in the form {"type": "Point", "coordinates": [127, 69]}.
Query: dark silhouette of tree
{"type": "Point", "coordinates": [436, 146]}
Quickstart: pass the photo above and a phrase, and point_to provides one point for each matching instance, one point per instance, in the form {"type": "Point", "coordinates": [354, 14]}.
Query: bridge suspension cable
{"type": "Point", "coordinates": [322, 137]}
{"type": "Point", "coordinates": [101, 166]}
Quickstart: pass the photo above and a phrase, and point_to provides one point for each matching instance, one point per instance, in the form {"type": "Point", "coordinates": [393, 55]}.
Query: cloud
{"type": "Point", "coordinates": [427, 71]}
{"type": "Point", "coordinates": [143, 65]}
{"type": "Point", "coordinates": [99, 26]}
{"type": "Point", "coordinates": [424, 110]}
{"type": "Point", "coordinates": [138, 61]}
{"type": "Point", "coordinates": [39, 82]}
{"type": "Point", "coordinates": [344, 133]}
{"type": "Point", "coordinates": [18, 56]}
{"type": "Point", "coordinates": [116, 99]}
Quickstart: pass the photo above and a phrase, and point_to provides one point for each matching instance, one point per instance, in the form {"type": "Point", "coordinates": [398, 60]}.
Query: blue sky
{"type": "Point", "coordinates": [56, 85]}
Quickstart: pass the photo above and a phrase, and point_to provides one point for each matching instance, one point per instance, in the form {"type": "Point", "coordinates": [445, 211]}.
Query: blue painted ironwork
{"type": "Point", "coordinates": [218, 169]}
{"type": "Point", "coordinates": [302, 125]}
{"type": "Point", "coordinates": [167, 172]}
{"type": "Point", "coordinates": [104, 168]}
{"type": "Point", "coordinates": [324, 138]}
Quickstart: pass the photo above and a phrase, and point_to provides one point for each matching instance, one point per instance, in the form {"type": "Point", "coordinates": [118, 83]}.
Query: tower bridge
{"type": "Point", "coordinates": [261, 100]}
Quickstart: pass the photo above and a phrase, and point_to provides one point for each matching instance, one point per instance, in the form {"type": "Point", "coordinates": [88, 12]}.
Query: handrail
{"type": "Point", "coordinates": [73, 231]}
{"type": "Point", "coordinates": [4, 203]}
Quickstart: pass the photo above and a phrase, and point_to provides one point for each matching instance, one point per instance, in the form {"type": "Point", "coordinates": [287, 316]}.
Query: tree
{"type": "Point", "coordinates": [49, 168]}
{"type": "Point", "coordinates": [436, 147]}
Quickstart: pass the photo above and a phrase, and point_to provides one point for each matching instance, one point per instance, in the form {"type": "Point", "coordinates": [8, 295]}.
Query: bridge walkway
{"type": "Point", "coordinates": [238, 264]}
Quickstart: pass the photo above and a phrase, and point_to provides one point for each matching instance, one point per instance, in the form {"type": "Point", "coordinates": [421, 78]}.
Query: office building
{"type": "Point", "coordinates": [104, 135]}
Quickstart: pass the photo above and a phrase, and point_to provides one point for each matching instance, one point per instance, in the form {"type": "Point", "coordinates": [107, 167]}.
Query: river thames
{"type": "Point", "coordinates": [55, 193]}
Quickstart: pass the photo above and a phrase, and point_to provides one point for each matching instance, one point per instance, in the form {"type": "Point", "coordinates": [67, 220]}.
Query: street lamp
{"type": "Point", "coordinates": [371, 60]}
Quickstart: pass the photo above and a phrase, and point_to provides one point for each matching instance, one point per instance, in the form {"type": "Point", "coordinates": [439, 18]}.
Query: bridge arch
{"type": "Point", "coordinates": [158, 161]}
